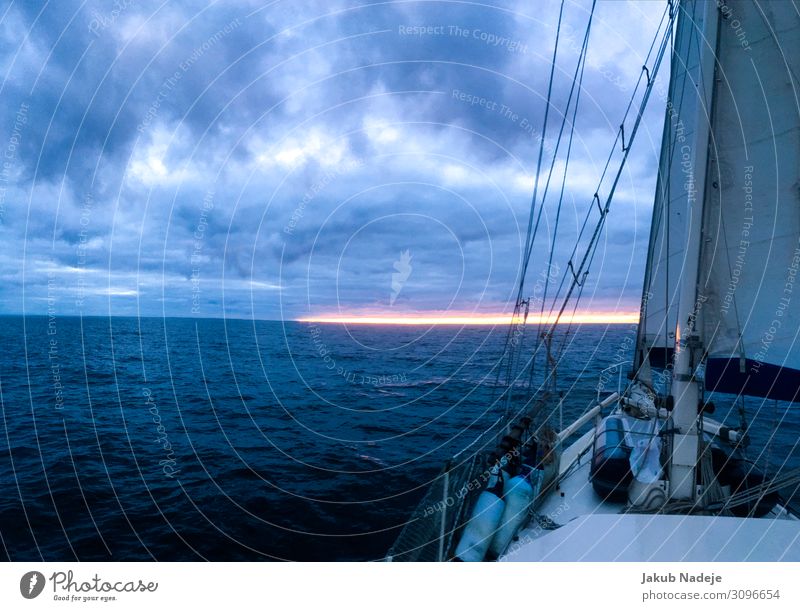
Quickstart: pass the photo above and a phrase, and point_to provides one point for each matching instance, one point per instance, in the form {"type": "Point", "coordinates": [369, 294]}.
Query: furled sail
{"type": "Point", "coordinates": [748, 293]}
{"type": "Point", "coordinates": [666, 257]}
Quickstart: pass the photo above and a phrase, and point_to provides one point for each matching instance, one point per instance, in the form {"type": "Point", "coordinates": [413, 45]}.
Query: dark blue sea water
{"type": "Point", "coordinates": [181, 439]}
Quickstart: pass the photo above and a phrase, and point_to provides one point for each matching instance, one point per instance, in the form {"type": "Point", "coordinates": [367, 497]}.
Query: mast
{"type": "Point", "coordinates": [698, 50]}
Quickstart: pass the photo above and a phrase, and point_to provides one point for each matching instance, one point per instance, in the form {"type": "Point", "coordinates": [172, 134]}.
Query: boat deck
{"type": "Point", "coordinates": [590, 529]}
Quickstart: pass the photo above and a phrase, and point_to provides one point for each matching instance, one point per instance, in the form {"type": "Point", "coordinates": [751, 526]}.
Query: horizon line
{"type": "Point", "coordinates": [488, 319]}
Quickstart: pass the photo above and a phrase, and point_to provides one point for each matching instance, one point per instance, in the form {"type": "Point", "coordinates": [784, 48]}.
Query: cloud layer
{"type": "Point", "coordinates": [306, 158]}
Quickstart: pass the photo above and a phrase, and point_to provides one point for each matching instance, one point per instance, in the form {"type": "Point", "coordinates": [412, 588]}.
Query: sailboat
{"type": "Point", "coordinates": [646, 473]}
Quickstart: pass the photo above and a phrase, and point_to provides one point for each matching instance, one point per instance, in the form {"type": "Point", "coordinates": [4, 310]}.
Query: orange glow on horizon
{"type": "Point", "coordinates": [473, 319]}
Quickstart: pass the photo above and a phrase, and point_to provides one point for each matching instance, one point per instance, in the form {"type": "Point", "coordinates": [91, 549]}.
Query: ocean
{"type": "Point", "coordinates": [195, 439]}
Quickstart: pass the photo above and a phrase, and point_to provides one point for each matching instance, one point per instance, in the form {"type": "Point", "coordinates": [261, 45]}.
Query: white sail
{"type": "Point", "coordinates": [749, 287]}
{"type": "Point", "coordinates": [664, 258]}
{"type": "Point", "coordinates": [688, 108]}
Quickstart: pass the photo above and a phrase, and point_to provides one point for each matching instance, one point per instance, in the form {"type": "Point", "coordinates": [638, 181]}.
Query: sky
{"type": "Point", "coordinates": [282, 160]}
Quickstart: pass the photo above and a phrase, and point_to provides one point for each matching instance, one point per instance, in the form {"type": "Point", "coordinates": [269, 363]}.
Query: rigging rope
{"type": "Point", "coordinates": [515, 333]}
{"type": "Point", "coordinates": [578, 277]}
{"type": "Point", "coordinates": [577, 79]}
{"type": "Point", "coordinates": [531, 234]}
{"type": "Point", "coordinates": [650, 82]}
{"type": "Point", "coordinates": [588, 255]}
{"type": "Point", "coordinates": [516, 348]}
{"type": "Point", "coordinates": [648, 76]}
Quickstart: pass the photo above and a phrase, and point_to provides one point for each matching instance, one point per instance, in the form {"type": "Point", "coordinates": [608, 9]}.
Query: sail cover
{"type": "Point", "coordinates": [749, 290]}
